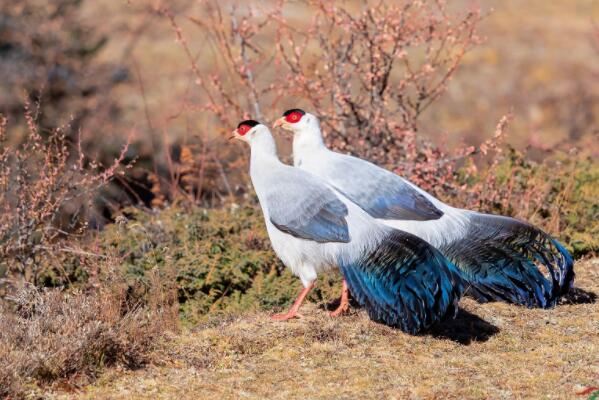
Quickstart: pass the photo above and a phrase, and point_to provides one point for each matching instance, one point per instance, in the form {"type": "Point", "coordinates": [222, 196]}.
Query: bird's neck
{"type": "Point", "coordinates": [306, 144]}
{"type": "Point", "coordinates": [263, 145]}
{"type": "Point", "coordinates": [263, 157]}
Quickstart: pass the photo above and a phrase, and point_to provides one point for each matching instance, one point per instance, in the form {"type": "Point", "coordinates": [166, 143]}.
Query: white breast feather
{"type": "Point", "coordinates": [306, 258]}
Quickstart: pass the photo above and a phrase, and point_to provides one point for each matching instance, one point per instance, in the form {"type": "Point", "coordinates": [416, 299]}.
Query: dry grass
{"type": "Point", "coordinates": [50, 337]}
{"type": "Point", "coordinates": [490, 351]}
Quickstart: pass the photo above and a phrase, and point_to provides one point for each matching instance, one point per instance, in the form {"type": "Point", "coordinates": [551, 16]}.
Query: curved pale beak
{"type": "Point", "coordinates": [279, 122]}
{"type": "Point", "coordinates": [235, 135]}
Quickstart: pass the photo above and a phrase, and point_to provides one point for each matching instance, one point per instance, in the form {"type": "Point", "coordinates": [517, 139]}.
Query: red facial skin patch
{"type": "Point", "coordinates": [243, 129]}
{"type": "Point", "coordinates": [293, 117]}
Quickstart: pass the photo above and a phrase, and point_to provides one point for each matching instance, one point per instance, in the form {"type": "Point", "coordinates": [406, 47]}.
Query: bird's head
{"type": "Point", "coordinates": [304, 126]}
{"type": "Point", "coordinates": [247, 130]}
{"type": "Point", "coordinates": [255, 134]}
{"type": "Point", "coordinates": [296, 120]}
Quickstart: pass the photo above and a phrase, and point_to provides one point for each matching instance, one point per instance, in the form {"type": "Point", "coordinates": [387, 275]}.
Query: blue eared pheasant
{"type": "Point", "coordinates": [500, 257]}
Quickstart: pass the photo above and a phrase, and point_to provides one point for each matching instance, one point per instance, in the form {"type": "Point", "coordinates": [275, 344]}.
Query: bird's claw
{"type": "Point", "coordinates": [285, 317]}
{"type": "Point", "coordinates": [342, 309]}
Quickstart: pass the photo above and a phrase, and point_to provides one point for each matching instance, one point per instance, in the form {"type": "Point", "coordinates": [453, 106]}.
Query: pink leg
{"type": "Point", "coordinates": [292, 313]}
{"type": "Point", "coordinates": [344, 304]}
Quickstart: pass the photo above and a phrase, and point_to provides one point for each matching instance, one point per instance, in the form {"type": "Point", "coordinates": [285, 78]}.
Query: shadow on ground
{"type": "Point", "coordinates": [578, 296]}
{"type": "Point", "coordinates": [465, 328]}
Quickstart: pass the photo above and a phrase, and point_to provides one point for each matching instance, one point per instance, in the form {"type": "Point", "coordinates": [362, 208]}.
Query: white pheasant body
{"type": "Point", "coordinates": [501, 257]}
{"type": "Point", "coordinates": [306, 258]}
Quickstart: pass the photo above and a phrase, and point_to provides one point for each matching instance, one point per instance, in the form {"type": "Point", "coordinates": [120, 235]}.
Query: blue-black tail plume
{"type": "Point", "coordinates": [405, 283]}
{"type": "Point", "coordinates": [504, 259]}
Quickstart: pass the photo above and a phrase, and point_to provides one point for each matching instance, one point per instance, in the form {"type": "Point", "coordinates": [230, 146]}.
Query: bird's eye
{"type": "Point", "coordinates": [243, 129]}
{"type": "Point", "coordinates": [293, 117]}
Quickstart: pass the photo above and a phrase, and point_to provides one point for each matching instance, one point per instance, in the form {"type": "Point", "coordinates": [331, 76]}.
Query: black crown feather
{"type": "Point", "coordinates": [299, 110]}
{"type": "Point", "coordinates": [248, 122]}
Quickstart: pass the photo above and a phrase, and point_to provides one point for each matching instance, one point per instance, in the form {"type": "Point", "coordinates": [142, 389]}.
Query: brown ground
{"type": "Point", "coordinates": [491, 351]}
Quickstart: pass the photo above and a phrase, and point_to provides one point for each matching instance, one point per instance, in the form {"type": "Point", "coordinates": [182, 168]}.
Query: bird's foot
{"type": "Point", "coordinates": [344, 303]}
{"type": "Point", "coordinates": [343, 307]}
{"type": "Point", "coordinates": [293, 311]}
{"type": "Point", "coordinates": [284, 317]}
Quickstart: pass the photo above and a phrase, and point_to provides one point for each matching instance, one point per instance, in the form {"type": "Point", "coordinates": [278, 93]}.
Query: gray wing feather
{"type": "Point", "coordinates": [380, 193]}
{"type": "Point", "coordinates": [303, 207]}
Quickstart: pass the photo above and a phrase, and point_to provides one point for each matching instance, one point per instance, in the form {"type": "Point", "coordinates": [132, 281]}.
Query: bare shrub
{"type": "Point", "coordinates": [379, 67]}
{"type": "Point", "coordinates": [41, 181]}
